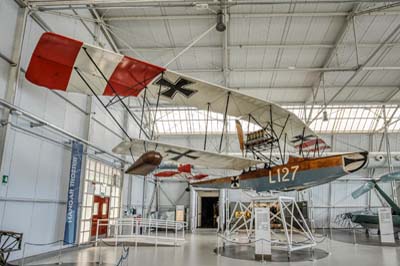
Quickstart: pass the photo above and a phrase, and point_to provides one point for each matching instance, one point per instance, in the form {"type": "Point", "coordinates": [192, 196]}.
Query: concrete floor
{"type": "Point", "coordinates": [198, 251]}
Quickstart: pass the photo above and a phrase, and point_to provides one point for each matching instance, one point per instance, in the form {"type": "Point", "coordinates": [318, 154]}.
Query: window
{"type": "Point", "coordinates": [341, 119]}
{"type": "Point", "coordinates": [95, 209]}
{"type": "Point", "coordinates": [103, 180]}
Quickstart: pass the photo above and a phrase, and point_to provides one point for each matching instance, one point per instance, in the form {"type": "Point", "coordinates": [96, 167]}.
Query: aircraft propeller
{"type": "Point", "coordinates": [372, 184]}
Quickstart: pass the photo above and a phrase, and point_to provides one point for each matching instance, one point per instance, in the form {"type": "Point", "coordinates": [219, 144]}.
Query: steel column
{"type": "Point", "coordinates": [13, 79]}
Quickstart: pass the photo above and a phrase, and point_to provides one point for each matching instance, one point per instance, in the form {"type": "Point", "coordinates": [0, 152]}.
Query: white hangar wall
{"type": "Point", "coordinates": [37, 162]}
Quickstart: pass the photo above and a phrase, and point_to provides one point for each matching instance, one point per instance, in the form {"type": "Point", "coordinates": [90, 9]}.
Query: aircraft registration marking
{"type": "Point", "coordinates": [283, 174]}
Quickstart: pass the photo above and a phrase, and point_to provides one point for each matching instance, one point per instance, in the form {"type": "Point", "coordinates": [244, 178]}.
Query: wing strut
{"type": "Point", "coordinates": [98, 98]}
{"type": "Point", "coordinates": [224, 125]}
{"type": "Point", "coordinates": [275, 135]}
{"type": "Point", "coordinates": [205, 136]}
{"type": "Point", "coordinates": [141, 118]}
{"type": "Point", "coordinates": [116, 94]}
{"type": "Point", "coordinates": [113, 101]}
{"type": "Point", "coordinates": [158, 102]}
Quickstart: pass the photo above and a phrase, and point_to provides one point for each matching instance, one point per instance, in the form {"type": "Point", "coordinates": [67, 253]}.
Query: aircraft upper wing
{"type": "Point", "coordinates": [62, 63]}
{"type": "Point", "coordinates": [185, 155]}
{"type": "Point", "coordinates": [182, 90]}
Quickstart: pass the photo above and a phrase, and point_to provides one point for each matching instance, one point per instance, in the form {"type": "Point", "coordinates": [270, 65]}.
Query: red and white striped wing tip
{"type": "Point", "coordinates": [166, 173]}
{"type": "Point", "coordinates": [315, 144]}
{"type": "Point", "coordinates": [57, 59]}
{"type": "Point", "coordinates": [199, 176]}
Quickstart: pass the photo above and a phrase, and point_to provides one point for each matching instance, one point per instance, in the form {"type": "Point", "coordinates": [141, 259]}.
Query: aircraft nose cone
{"type": "Point", "coordinates": [354, 161]}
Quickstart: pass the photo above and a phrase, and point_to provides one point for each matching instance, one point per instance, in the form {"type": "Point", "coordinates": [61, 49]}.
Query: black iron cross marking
{"type": "Point", "coordinates": [235, 182]}
{"type": "Point", "coordinates": [174, 88]}
{"type": "Point", "coordinates": [183, 154]}
{"type": "Point", "coordinates": [301, 138]}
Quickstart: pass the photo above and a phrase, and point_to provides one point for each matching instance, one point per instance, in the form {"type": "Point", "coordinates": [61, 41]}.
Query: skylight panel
{"type": "Point", "coordinates": [342, 118]}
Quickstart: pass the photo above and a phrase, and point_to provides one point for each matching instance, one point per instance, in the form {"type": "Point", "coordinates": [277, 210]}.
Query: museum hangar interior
{"type": "Point", "coordinates": [179, 132]}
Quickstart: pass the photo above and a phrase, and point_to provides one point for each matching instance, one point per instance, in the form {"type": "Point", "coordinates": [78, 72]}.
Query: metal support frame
{"type": "Point", "coordinates": [104, 29]}
{"type": "Point", "coordinates": [262, 46]}
{"type": "Point", "coordinates": [144, 192]}
{"type": "Point", "coordinates": [9, 242]}
{"type": "Point", "coordinates": [389, 155]}
{"type": "Point", "coordinates": [158, 199]}
{"type": "Point", "coordinates": [241, 230]}
{"type": "Point", "coordinates": [328, 58]}
{"type": "Point", "coordinates": [21, 112]}
{"type": "Point", "coordinates": [124, 4]}
{"type": "Point", "coordinates": [353, 20]}
{"type": "Point", "coordinates": [360, 68]}
{"type": "Point", "coordinates": [13, 78]}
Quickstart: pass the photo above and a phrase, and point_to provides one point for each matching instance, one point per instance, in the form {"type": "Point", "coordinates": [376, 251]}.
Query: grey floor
{"type": "Point", "coordinates": [198, 251]}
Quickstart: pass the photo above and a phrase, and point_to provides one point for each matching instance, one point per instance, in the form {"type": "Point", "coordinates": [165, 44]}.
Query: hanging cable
{"type": "Point", "coordinates": [98, 98]}
{"type": "Point", "coordinates": [157, 103]}
{"type": "Point", "coordinates": [325, 113]}
{"type": "Point", "coordinates": [114, 91]}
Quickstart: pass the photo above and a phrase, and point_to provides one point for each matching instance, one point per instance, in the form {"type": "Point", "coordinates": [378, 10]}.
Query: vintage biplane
{"type": "Point", "coordinates": [62, 63]}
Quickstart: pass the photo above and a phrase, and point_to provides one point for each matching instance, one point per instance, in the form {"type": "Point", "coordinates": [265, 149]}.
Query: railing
{"type": "Point", "coordinates": [151, 231]}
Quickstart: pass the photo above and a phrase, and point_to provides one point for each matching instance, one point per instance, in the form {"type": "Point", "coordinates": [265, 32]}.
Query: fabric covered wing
{"type": "Point", "coordinates": [185, 155]}
{"type": "Point", "coordinates": [181, 90]}
{"type": "Point", "coordinates": [57, 59]}
{"type": "Point", "coordinates": [58, 62]}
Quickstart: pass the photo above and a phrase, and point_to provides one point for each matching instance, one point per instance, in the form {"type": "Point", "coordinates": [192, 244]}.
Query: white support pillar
{"type": "Point", "coordinates": [13, 79]}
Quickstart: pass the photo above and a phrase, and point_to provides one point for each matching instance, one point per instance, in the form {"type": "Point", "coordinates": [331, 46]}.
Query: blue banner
{"type": "Point", "coordinates": [73, 193]}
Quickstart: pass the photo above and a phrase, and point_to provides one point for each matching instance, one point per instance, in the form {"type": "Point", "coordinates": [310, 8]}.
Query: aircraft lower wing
{"type": "Point", "coordinates": [185, 155]}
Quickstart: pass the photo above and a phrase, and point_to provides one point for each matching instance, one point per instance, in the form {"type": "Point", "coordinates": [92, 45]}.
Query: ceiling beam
{"type": "Point", "coordinates": [327, 88]}
{"type": "Point", "coordinates": [104, 29]}
{"type": "Point", "coordinates": [361, 67]}
{"type": "Point", "coordinates": [212, 16]}
{"type": "Point", "coordinates": [121, 4]}
{"type": "Point", "coordinates": [339, 37]}
{"type": "Point", "coordinates": [246, 16]}
{"type": "Point", "coordinates": [263, 46]}
{"type": "Point", "coordinates": [233, 16]}
{"type": "Point", "coordinates": [393, 94]}
{"type": "Point", "coordinates": [377, 9]}
{"type": "Point", "coordinates": [347, 105]}
{"type": "Point", "coordinates": [291, 69]}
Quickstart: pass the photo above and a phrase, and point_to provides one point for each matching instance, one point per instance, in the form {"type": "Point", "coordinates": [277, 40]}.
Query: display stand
{"type": "Point", "coordinates": [262, 234]}
{"type": "Point", "coordinates": [386, 225]}
{"type": "Point", "coordinates": [293, 235]}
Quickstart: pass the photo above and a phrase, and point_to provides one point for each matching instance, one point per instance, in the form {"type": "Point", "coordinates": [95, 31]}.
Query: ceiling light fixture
{"type": "Point", "coordinates": [221, 27]}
